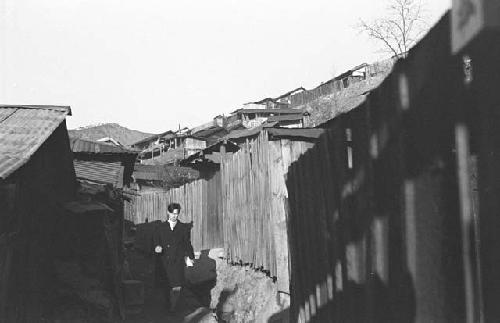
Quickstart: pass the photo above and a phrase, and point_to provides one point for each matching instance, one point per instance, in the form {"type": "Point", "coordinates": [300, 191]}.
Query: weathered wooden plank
{"type": "Point", "coordinates": [488, 138]}
{"type": "Point", "coordinates": [277, 176]}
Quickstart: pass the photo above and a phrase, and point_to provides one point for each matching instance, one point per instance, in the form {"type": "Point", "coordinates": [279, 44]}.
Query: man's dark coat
{"type": "Point", "coordinates": [176, 245]}
{"type": "Point", "coordinates": [144, 237]}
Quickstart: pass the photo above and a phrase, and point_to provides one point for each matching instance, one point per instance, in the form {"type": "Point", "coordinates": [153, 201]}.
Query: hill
{"type": "Point", "coordinates": [124, 135]}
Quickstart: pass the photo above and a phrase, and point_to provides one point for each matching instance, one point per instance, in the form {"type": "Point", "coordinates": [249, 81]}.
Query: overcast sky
{"type": "Point", "coordinates": [151, 65]}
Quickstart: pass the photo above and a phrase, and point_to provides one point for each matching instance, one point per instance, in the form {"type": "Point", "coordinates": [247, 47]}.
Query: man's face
{"type": "Point", "coordinates": [172, 216]}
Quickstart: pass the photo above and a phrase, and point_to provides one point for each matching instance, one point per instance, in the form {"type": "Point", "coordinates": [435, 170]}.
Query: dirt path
{"type": "Point", "coordinates": [193, 304]}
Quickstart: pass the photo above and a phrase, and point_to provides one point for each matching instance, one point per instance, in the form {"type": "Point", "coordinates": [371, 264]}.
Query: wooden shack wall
{"type": "Point", "coordinates": [38, 188]}
{"type": "Point", "coordinates": [200, 204]}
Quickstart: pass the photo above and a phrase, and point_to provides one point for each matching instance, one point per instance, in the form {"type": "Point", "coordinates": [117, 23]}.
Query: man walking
{"type": "Point", "coordinates": [172, 241]}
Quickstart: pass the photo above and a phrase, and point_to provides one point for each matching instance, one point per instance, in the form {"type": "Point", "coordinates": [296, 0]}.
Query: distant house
{"type": "Point", "coordinates": [153, 140]}
{"type": "Point", "coordinates": [36, 178]}
{"type": "Point", "coordinates": [211, 135]}
{"type": "Point", "coordinates": [218, 131]}
{"type": "Point", "coordinates": [280, 102]}
{"type": "Point", "coordinates": [169, 147]}
{"type": "Point", "coordinates": [252, 118]}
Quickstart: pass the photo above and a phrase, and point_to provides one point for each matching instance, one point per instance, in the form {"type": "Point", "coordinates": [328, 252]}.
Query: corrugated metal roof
{"type": "Point", "coordinates": [273, 111]}
{"type": "Point", "coordinates": [297, 133]}
{"type": "Point", "coordinates": [60, 108]}
{"type": "Point", "coordinates": [237, 134]}
{"type": "Point", "coordinates": [166, 134]}
{"type": "Point", "coordinates": [100, 172]}
{"type": "Point", "coordinates": [87, 146]}
{"type": "Point", "coordinates": [286, 117]}
{"type": "Point", "coordinates": [23, 129]}
{"type": "Point", "coordinates": [212, 135]}
{"type": "Point", "coordinates": [208, 132]}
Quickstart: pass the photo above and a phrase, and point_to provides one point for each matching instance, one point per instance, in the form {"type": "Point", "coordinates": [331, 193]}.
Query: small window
{"type": "Point", "coordinates": [348, 134]}
{"type": "Point", "coordinates": [349, 158]}
{"type": "Point", "coordinates": [345, 82]}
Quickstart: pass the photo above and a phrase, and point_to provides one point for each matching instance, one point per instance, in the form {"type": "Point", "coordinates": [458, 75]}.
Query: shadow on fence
{"type": "Point", "coordinates": [382, 211]}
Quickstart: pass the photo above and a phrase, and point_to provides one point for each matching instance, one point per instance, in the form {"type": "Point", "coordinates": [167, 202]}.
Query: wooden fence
{"type": "Point", "coordinates": [254, 204]}
{"type": "Point", "coordinates": [200, 203]}
{"type": "Point", "coordinates": [383, 216]}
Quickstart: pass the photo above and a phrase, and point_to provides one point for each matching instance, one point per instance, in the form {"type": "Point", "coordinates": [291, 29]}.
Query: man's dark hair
{"type": "Point", "coordinates": [173, 206]}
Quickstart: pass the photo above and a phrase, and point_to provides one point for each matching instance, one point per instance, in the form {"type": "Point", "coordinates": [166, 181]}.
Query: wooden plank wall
{"type": "Point", "coordinates": [485, 97]}
{"type": "Point", "coordinates": [5, 269]}
{"type": "Point", "coordinates": [255, 204]}
{"type": "Point", "coordinates": [378, 229]}
{"type": "Point", "coordinates": [200, 204]}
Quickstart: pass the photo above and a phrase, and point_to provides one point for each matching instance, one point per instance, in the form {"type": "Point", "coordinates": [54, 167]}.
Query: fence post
{"type": "Point", "coordinates": [487, 79]}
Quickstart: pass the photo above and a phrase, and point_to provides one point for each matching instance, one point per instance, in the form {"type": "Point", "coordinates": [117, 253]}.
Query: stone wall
{"type": "Point", "coordinates": [242, 294]}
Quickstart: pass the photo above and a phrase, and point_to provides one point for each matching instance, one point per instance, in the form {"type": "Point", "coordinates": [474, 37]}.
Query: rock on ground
{"type": "Point", "coordinates": [245, 295]}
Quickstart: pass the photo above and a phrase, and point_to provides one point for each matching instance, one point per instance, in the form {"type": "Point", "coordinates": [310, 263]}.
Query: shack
{"type": "Point", "coordinates": [103, 172]}
{"type": "Point", "coordinates": [171, 148]}
{"type": "Point", "coordinates": [252, 118]}
{"type": "Point", "coordinates": [103, 163]}
{"type": "Point", "coordinates": [36, 178]}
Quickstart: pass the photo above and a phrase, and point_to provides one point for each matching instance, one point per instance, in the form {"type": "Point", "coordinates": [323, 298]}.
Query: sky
{"type": "Point", "coordinates": [155, 65]}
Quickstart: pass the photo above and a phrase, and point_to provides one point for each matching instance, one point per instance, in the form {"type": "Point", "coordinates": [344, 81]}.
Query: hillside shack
{"type": "Point", "coordinates": [36, 178]}
{"type": "Point", "coordinates": [103, 163]}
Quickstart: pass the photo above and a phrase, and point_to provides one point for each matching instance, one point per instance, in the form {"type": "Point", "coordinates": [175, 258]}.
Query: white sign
{"type": "Point", "coordinates": [469, 18]}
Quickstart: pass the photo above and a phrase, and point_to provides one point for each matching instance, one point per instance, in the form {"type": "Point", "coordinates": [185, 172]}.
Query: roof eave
{"type": "Point", "coordinates": [62, 108]}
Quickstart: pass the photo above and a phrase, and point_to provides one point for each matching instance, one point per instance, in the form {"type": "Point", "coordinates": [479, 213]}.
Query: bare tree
{"type": "Point", "coordinates": [402, 26]}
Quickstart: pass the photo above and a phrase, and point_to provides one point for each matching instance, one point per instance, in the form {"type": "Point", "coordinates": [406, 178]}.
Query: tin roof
{"type": "Point", "coordinates": [286, 117]}
{"type": "Point", "coordinates": [87, 146]}
{"type": "Point", "coordinates": [306, 134]}
{"type": "Point", "coordinates": [100, 172]}
{"type": "Point", "coordinates": [270, 111]}
{"type": "Point", "coordinates": [276, 133]}
{"type": "Point", "coordinates": [231, 140]}
{"type": "Point", "coordinates": [245, 133]}
{"type": "Point", "coordinates": [210, 131]}
{"type": "Point", "coordinates": [23, 129]}
{"type": "Point", "coordinates": [168, 133]}
{"type": "Point", "coordinates": [212, 134]}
